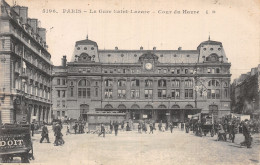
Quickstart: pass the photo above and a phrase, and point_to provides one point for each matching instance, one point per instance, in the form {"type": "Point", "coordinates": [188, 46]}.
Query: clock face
{"type": "Point", "coordinates": [148, 66]}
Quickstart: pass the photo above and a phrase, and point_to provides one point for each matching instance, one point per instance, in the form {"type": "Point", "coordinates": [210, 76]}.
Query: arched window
{"type": "Point", "coordinates": [188, 106]}
{"type": "Point", "coordinates": [212, 58]}
{"type": "Point", "coordinates": [121, 106]}
{"type": "Point", "coordinates": [162, 106]}
{"type": "Point", "coordinates": [175, 106]}
{"type": "Point", "coordinates": [84, 89]}
{"type": "Point", "coordinates": [84, 108]}
{"type": "Point", "coordinates": [108, 106]}
{"type": "Point", "coordinates": [213, 83]}
{"type": "Point", "coordinates": [84, 57]}
{"type": "Point", "coordinates": [135, 106]}
{"type": "Point", "coordinates": [162, 83]}
{"type": "Point", "coordinates": [148, 106]}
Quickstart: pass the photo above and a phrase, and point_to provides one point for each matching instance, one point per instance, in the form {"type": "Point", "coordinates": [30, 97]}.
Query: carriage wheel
{"type": "Point", "coordinates": [25, 159]}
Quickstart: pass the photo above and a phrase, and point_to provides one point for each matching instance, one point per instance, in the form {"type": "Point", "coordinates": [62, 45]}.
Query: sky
{"type": "Point", "coordinates": [235, 23]}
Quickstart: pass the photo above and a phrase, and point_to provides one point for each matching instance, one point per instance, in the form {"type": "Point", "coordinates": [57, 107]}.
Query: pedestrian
{"type": "Point", "coordinates": [32, 128]}
{"type": "Point", "coordinates": [68, 130]}
{"type": "Point", "coordinates": [151, 128]}
{"type": "Point", "coordinates": [171, 127]}
{"type": "Point", "coordinates": [58, 135]}
{"type": "Point", "coordinates": [187, 126]}
{"type": "Point", "coordinates": [102, 130]}
{"type": "Point", "coordinates": [139, 128]}
{"type": "Point", "coordinates": [45, 133]}
{"type": "Point", "coordinates": [182, 126]}
{"type": "Point", "coordinates": [116, 127]}
{"type": "Point", "coordinates": [160, 126]}
{"type": "Point", "coordinates": [122, 126]}
{"type": "Point", "coordinates": [111, 126]}
{"type": "Point", "coordinates": [144, 127]}
{"type": "Point", "coordinates": [75, 128]}
{"type": "Point", "coordinates": [233, 131]}
{"type": "Point", "coordinates": [246, 133]}
{"type": "Point", "coordinates": [221, 133]}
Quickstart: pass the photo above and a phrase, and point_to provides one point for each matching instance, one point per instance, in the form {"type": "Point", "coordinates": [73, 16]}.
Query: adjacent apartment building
{"type": "Point", "coordinates": [25, 67]}
{"type": "Point", "coordinates": [160, 85]}
{"type": "Point", "coordinates": [245, 93]}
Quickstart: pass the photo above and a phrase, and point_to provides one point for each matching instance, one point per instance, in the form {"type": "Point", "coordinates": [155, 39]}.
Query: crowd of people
{"type": "Point", "coordinates": [226, 128]}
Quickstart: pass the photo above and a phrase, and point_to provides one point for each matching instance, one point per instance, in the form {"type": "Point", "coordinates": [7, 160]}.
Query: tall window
{"type": "Point", "coordinates": [148, 93]}
{"type": "Point", "coordinates": [161, 93]}
{"type": "Point", "coordinates": [188, 83]}
{"type": "Point", "coordinates": [188, 93]}
{"type": "Point", "coordinates": [135, 83]}
{"type": "Point", "coordinates": [175, 83]}
{"type": "Point", "coordinates": [213, 83]}
{"type": "Point", "coordinates": [63, 81]}
{"type": "Point", "coordinates": [226, 93]}
{"type": "Point", "coordinates": [58, 92]}
{"type": "Point", "coordinates": [135, 93]}
{"type": "Point", "coordinates": [121, 93]}
{"type": "Point", "coordinates": [58, 103]}
{"type": "Point", "coordinates": [213, 94]}
{"type": "Point", "coordinates": [108, 93]}
{"type": "Point", "coordinates": [162, 83]}
{"type": "Point", "coordinates": [175, 94]}
{"type": "Point", "coordinates": [148, 83]}
{"type": "Point", "coordinates": [71, 92]}
{"type": "Point", "coordinates": [63, 104]}
{"type": "Point", "coordinates": [84, 89]}
{"type": "Point", "coordinates": [58, 81]}
{"type": "Point", "coordinates": [121, 83]}
{"type": "Point", "coordinates": [108, 83]}
{"type": "Point", "coordinates": [96, 92]}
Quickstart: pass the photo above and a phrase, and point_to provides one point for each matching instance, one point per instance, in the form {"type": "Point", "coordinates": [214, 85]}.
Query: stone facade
{"type": "Point", "coordinates": [142, 84]}
{"type": "Point", "coordinates": [25, 67]}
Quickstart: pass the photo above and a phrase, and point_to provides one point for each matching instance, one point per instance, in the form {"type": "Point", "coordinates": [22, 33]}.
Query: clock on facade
{"type": "Point", "coordinates": [148, 66]}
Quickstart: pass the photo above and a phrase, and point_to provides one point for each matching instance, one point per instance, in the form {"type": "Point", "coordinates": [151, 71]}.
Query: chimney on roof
{"type": "Point", "coordinates": [116, 48]}
{"type": "Point", "coordinates": [24, 14]}
{"type": "Point", "coordinates": [141, 48]}
{"type": "Point", "coordinates": [42, 33]}
{"type": "Point", "coordinates": [34, 24]}
{"type": "Point", "coordinates": [179, 48]}
{"type": "Point", "coordinates": [64, 61]}
{"type": "Point", "coordinates": [154, 48]}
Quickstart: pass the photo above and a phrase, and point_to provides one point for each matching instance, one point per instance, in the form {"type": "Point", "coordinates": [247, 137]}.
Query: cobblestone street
{"type": "Point", "coordinates": [134, 148]}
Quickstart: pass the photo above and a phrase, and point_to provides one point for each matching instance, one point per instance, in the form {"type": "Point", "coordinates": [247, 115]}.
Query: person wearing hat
{"type": "Point", "coordinates": [102, 130]}
{"type": "Point", "coordinates": [45, 133]}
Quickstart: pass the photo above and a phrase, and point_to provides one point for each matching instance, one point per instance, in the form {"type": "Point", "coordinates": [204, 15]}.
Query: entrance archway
{"type": "Point", "coordinates": [162, 113]}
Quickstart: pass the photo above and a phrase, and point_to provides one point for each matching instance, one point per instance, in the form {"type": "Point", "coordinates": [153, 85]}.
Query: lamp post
{"type": "Point", "coordinates": [253, 101]}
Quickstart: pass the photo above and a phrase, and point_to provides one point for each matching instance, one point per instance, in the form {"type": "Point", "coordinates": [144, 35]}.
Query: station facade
{"type": "Point", "coordinates": [158, 85]}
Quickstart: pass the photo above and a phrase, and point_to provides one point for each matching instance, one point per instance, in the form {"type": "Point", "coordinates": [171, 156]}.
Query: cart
{"type": "Point", "coordinates": [207, 124]}
{"type": "Point", "coordinates": [15, 141]}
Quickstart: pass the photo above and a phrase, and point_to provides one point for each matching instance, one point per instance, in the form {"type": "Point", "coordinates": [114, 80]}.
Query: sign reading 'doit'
{"type": "Point", "coordinates": [11, 141]}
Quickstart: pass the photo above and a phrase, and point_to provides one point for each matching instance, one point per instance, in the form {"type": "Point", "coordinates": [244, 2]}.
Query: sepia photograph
{"type": "Point", "coordinates": [137, 82]}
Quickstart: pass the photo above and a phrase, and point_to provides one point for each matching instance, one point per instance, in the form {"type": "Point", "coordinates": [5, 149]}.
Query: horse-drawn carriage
{"type": "Point", "coordinates": [204, 124]}
{"type": "Point", "coordinates": [15, 141]}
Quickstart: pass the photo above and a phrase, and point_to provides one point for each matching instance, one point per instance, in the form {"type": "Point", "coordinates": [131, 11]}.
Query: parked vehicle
{"type": "Point", "coordinates": [15, 141]}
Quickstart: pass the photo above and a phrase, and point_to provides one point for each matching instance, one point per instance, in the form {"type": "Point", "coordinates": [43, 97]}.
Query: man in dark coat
{"type": "Point", "coordinates": [45, 134]}
{"type": "Point", "coordinates": [116, 128]}
{"type": "Point", "coordinates": [111, 126]}
{"type": "Point", "coordinates": [58, 135]}
{"type": "Point", "coordinates": [102, 130]}
{"type": "Point", "coordinates": [171, 127]}
{"type": "Point", "coordinates": [75, 127]}
{"type": "Point", "coordinates": [151, 128]}
{"type": "Point", "coordinates": [246, 133]}
{"type": "Point", "coordinates": [32, 128]}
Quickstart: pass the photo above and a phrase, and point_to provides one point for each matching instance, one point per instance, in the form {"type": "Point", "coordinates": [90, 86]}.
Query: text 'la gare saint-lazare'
{"type": "Point", "coordinates": [124, 11]}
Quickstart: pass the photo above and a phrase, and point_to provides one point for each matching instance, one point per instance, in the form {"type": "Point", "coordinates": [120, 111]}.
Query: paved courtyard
{"type": "Point", "coordinates": [133, 148]}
